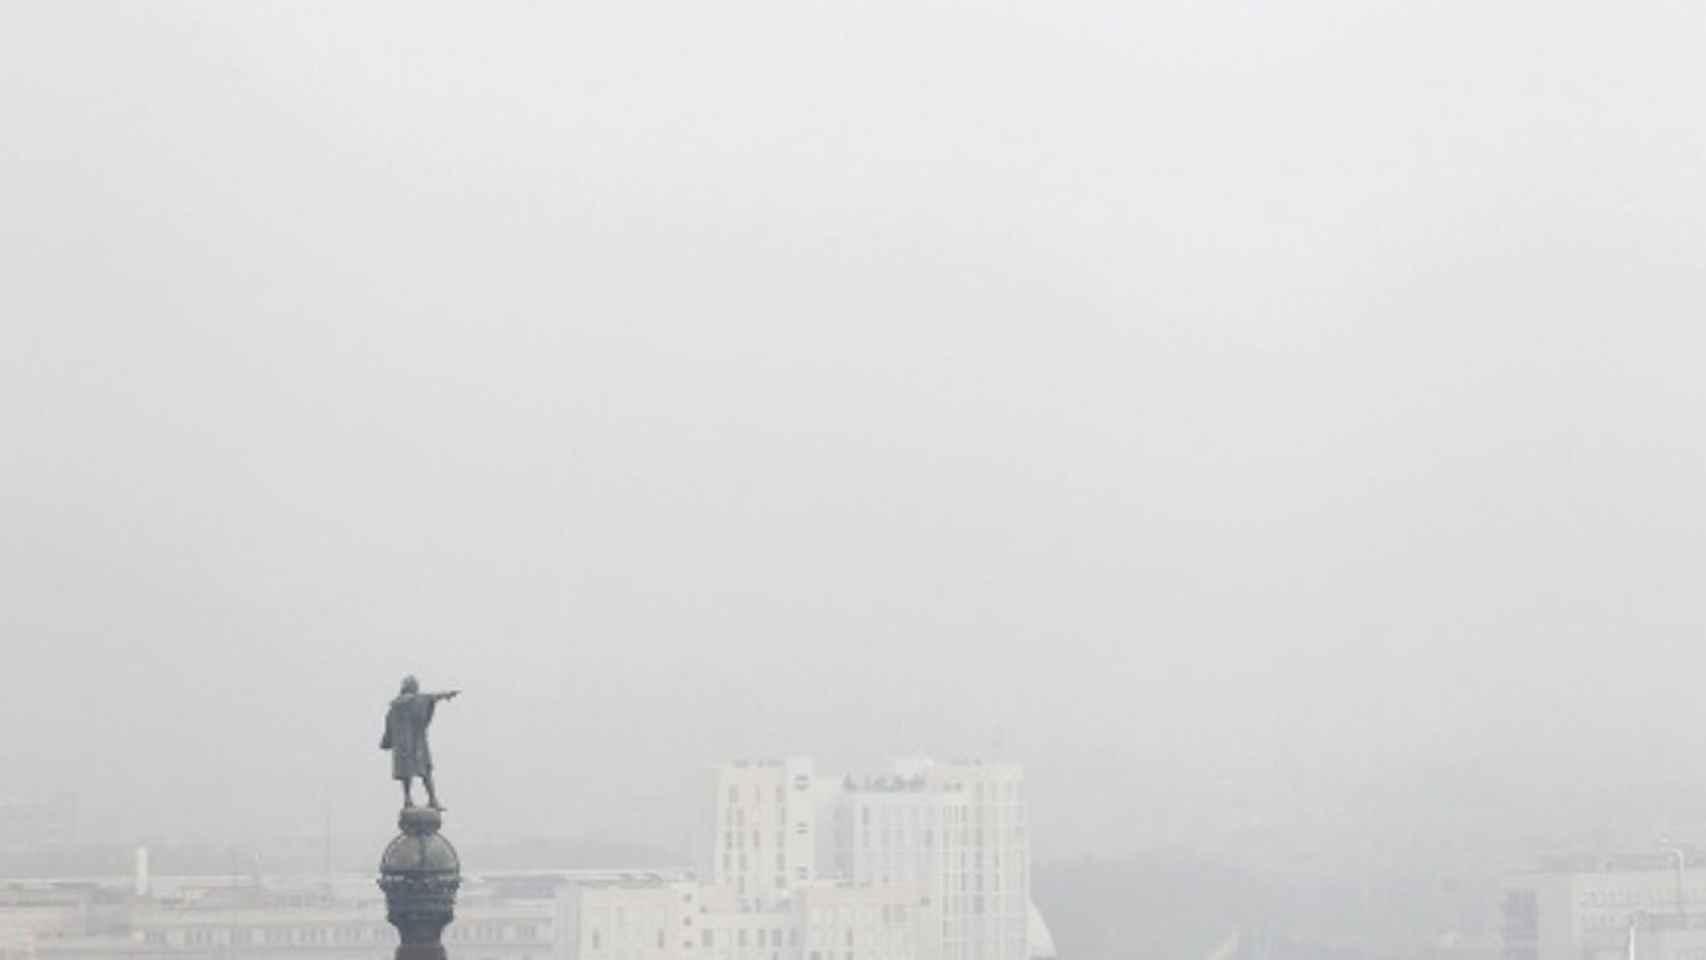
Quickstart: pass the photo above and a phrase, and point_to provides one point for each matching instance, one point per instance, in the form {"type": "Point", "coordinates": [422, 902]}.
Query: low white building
{"type": "Point", "coordinates": [1593, 906]}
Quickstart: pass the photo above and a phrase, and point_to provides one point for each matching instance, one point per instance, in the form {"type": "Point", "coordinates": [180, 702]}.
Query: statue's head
{"type": "Point", "coordinates": [411, 685]}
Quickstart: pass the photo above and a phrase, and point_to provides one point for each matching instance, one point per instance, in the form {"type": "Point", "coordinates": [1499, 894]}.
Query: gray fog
{"type": "Point", "coordinates": [1269, 423]}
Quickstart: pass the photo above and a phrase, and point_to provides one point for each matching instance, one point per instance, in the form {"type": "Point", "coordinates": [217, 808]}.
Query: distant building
{"type": "Point", "coordinates": [820, 920]}
{"type": "Point", "coordinates": [731, 929]}
{"type": "Point", "coordinates": [927, 862]}
{"type": "Point", "coordinates": [758, 831]}
{"type": "Point", "coordinates": [523, 917]}
{"type": "Point", "coordinates": [631, 919]}
{"type": "Point", "coordinates": [958, 832]}
{"type": "Point", "coordinates": [838, 920]}
{"type": "Point", "coordinates": [1625, 907]}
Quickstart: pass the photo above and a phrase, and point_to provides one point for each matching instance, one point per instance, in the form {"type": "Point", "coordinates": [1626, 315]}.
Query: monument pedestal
{"type": "Point", "coordinates": [420, 873]}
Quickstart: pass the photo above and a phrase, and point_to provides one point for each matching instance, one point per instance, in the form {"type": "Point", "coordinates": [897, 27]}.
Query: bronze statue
{"type": "Point", "coordinates": [406, 737]}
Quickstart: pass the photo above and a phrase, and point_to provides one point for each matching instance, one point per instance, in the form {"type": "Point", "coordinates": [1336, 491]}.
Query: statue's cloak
{"type": "Point", "coordinates": [406, 735]}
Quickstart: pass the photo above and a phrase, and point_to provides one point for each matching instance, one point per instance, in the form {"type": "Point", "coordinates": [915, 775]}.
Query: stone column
{"type": "Point", "coordinates": [420, 873]}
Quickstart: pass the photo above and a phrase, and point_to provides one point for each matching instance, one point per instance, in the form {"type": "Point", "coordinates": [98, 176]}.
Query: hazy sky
{"type": "Point", "coordinates": [1247, 415]}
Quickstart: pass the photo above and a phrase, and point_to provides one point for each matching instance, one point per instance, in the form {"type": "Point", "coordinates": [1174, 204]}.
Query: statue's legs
{"type": "Point", "coordinates": [432, 794]}
{"type": "Point", "coordinates": [408, 797]}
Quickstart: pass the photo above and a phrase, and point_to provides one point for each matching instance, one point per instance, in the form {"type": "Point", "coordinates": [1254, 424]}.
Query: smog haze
{"type": "Point", "coordinates": [1268, 423]}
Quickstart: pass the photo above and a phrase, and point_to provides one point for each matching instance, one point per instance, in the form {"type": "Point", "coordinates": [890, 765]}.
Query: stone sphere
{"type": "Point", "coordinates": [419, 848]}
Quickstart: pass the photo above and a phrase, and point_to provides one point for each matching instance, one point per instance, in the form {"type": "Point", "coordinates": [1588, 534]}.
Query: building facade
{"type": "Point", "coordinates": [1623, 907]}
{"type": "Point", "coordinates": [956, 831]}
{"type": "Point", "coordinates": [926, 862]}
{"type": "Point", "coordinates": [758, 833]}
{"type": "Point", "coordinates": [942, 843]}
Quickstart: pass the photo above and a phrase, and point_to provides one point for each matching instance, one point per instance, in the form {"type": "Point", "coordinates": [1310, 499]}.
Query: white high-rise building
{"type": "Point", "coordinates": [759, 831]}
{"type": "Point", "coordinates": [929, 862]}
{"type": "Point", "coordinates": [958, 832]}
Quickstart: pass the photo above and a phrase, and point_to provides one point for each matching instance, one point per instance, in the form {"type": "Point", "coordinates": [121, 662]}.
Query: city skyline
{"type": "Point", "coordinates": [943, 876]}
{"type": "Point", "coordinates": [1275, 428]}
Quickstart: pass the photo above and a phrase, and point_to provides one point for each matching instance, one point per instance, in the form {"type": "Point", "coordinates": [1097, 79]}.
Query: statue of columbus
{"type": "Point", "coordinates": [406, 725]}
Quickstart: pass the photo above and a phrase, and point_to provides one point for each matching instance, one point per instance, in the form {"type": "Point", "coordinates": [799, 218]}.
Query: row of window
{"type": "Point", "coordinates": [207, 936]}
{"type": "Point", "coordinates": [824, 928]}
{"type": "Point", "coordinates": [736, 839]}
{"type": "Point", "coordinates": [953, 837]}
{"type": "Point", "coordinates": [801, 782]}
{"type": "Point", "coordinates": [743, 938]}
{"type": "Point", "coordinates": [732, 861]}
{"type": "Point", "coordinates": [891, 936]}
{"type": "Point", "coordinates": [913, 813]}
{"type": "Point", "coordinates": [734, 818]}
{"type": "Point", "coordinates": [1640, 896]}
